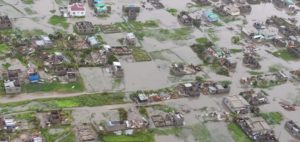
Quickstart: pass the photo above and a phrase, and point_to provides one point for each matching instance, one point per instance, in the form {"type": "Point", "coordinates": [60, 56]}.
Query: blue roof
{"type": "Point", "coordinates": [211, 16]}
{"type": "Point", "coordinates": [35, 77]}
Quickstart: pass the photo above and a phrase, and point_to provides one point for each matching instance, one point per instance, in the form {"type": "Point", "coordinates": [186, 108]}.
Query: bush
{"type": "Point", "coordinates": [122, 114]}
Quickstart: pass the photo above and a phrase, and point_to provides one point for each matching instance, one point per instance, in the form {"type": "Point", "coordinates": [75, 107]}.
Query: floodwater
{"type": "Point", "coordinates": [155, 74]}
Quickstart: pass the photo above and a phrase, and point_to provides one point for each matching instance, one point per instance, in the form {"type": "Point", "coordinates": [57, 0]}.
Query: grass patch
{"type": "Point", "coordinates": [137, 137]}
{"type": "Point", "coordinates": [69, 138]}
{"type": "Point", "coordinates": [143, 111]}
{"type": "Point", "coordinates": [28, 1]}
{"type": "Point", "coordinates": [237, 134]}
{"type": "Point", "coordinates": [284, 54]}
{"type": "Point", "coordinates": [177, 131]}
{"type": "Point", "coordinates": [140, 55]}
{"type": "Point", "coordinates": [255, 72]}
{"type": "Point", "coordinates": [30, 116]}
{"type": "Point", "coordinates": [212, 35]}
{"type": "Point", "coordinates": [3, 48]}
{"type": "Point", "coordinates": [201, 133]}
{"type": "Point", "coordinates": [218, 24]}
{"type": "Point", "coordinates": [58, 21]}
{"type": "Point", "coordinates": [272, 117]}
{"type": "Point", "coordinates": [165, 34]}
{"type": "Point", "coordinates": [54, 86]}
{"type": "Point", "coordinates": [137, 25]}
{"type": "Point", "coordinates": [77, 101]}
{"type": "Point", "coordinates": [275, 68]}
{"type": "Point", "coordinates": [56, 133]}
{"type": "Point", "coordinates": [172, 11]}
{"type": "Point", "coordinates": [29, 11]}
{"type": "Point", "coordinates": [164, 108]}
{"type": "Point", "coordinates": [233, 51]}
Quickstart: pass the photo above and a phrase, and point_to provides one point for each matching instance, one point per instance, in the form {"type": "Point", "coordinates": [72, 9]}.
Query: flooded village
{"type": "Point", "coordinates": [149, 70]}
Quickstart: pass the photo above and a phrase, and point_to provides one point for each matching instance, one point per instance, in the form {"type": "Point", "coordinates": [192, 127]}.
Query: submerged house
{"type": "Point", "coordinates": [84, 27]}
{"type": "Point", "coordinates": [292, 128]}
{"type": "Point", "coordinates": [190, 89]}
{"type": "Point", "coordinates": [117, 69]}
{"type": "Point", "coordinates": [210, 16]}
{"type": "Point", "coordinates": [232, 10]}
{"type": "Point", "coordinates": [12, 84]}
{"type": "Point", "coordinates": [257, 129]}
{"type": "Point", "coordinates": [131, 11]}
{"type": "Point", "coordinates": [5, 22]}
{"type": "Point", "coordinates": [236, 104]}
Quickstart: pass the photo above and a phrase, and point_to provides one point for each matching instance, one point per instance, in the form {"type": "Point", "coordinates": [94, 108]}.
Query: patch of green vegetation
{"type": "Point", "coordinates": [59, 21]}
{"type": "Point", "coordinates": [69, 138]}
{"type": "Point", "coordinates": [275, 68]}
{"type": "Point", "coordinates": [237, 134]}
{"type": "Point", "coordinates": [217, 68]}
{"type": "Point", "coordinates": [172, 11]}
{"type": "Point", "coordinates": [137, 137]}
{"type": "Point", "coordinates": [123, 114]}
{"type": "Point", "coordinates": [235, 39]}
{"type": "Point", "coordinates": [111, 58]}
{"type": "Point", "coordinates": [51, 135]}
{"type": "Point", "coordinates": [167, 131]}
{"type": "Point", "coordinates": [233, 51]}
{"type": "Point", "coordinates": [77, 101]}
{"type": "Point", "coordinates": [3, 48]}
{"type": "Point", "coordinates": [59, 2]}
{"type": "Point", "coordinates": [54, 86]}
{"type": "Point", "coordinates": [6, 65]}
{"type": "Point", "coordinates": [201, 133]}
{"type": "Point", "coordinates": [140, 55]}
{"type": "Point", "coordinates": [28, 1]}
{"type": "Point", "coordinates": [30, 116]}
{"type": "Point", "coordinates": [212, 35]}
{"type": "Point", "coordinates": [284, 54]}
{"type": "Point", "coordinates": [272, 117]}
{"type": "Point", "coordinates": [255, 72]}
{"type": "Point", "coordinates": [228, 19]}
{"type": "Point", "coordinates": [143, 111]}
{"type": "Point", "coordinates": [218, 24]}
{"type": "Point", "coordinates": [137, 25]}
{"type": "Point", "coordinates": [164, 108]}
{"type": "Point", "coordinates": [29, 11]}
{"type": "Point", "coordinates": [165, 34]}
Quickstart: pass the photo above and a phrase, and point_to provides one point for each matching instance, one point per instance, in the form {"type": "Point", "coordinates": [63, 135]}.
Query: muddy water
{"type": "Point", "coordinates": [263, 11]}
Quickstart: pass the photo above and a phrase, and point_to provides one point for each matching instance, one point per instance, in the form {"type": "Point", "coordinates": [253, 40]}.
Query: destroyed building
{"type": "Point", "coordinates": [284, 26]}
{"type": "Point", "coordinates": [5, 22]}
{"type": "Point", "coordinates": [202, 2]}
{"type": "Point", "coordinates": [229, 63]}
{"type": "Point", "coordinates": [170, 119]}
{"type": "Point", "coordinates": [231, 10]}
{"type": "Point", "coordinates": [236, 104]}
{"type": "Point", "coordinates": [245, 9]}
{"type": "Point", "coordinates": [215, 88]}
{"type": "Point", "coordinates": [86, 133]}
{"type": "Point", "coordinates": [156, 4]}
{"type": "Point", "coordinates": [12, 82]}
{"type": "Point", "coordinates": [190, 89]}
{"type": "Point", "coordinates": [131, 11]}
{"type": "Point", "coordinates": [112, 126]}
{"type": "Point", "coordinates": [292, 128]}
{"type": "Point", "coordinates": [253, 98]}
{"type": "Point", "coordinates": [251, 62]}
{"type": "Point", "coordinates": [84, 27]}
{"type": "Point", "coordinates": [190, 19]}
{"type": "Point", "coordinates": [55, 117]}
{"type": "Point", "coordinates": [117, 69]}
{"type": "Point", "coordinates": [257, 129]}
{"type": "Point", "coordinates": [182, 69]}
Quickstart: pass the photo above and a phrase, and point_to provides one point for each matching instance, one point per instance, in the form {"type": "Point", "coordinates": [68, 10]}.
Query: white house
{"type": "Point", "coordinates": [76, 10]}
